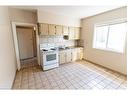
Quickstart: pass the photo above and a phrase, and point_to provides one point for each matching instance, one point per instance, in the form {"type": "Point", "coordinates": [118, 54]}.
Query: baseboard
{"type": "Point", "coordinates": [28, 58]}
{"type": "Point", "coordinates": [14, 79]}
{"type": "Point", "coordinates": [104, 67]}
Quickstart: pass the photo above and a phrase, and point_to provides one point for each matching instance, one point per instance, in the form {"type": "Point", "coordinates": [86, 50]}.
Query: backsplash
{"type": "Point", "coordinates": [56, 41]}
{"type": "Point", "coordinates": [80, 43]}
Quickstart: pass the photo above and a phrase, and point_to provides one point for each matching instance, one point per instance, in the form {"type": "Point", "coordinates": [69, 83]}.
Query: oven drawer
{"type": "Point", "coordinates": [47, 67]}
{"type": "Point", "coordinates": [49, 63]}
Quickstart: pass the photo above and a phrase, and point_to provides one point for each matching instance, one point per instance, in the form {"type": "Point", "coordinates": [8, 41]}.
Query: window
{"type": "Point", "coordinates": [110, 37]}
{"type": "Point", "coordinates": [101, 36]}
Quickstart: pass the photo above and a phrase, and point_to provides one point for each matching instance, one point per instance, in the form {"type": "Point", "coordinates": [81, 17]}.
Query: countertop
{"type": "Point", "coordinates": [71, 47]}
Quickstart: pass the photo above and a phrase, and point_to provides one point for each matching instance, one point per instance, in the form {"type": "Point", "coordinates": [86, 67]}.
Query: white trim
{"type": "Point", "coordinates": [14, 24]}
{"type": "Point", "coordinates": [109, 49]}
{"type": "Point", "coordinates": [38, 46]}
{"type": "Point", "coordinates": [110, 22]}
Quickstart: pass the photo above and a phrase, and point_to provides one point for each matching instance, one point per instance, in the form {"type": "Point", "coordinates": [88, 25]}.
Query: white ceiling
{"type": "Point", "coordinates": [71, 11]}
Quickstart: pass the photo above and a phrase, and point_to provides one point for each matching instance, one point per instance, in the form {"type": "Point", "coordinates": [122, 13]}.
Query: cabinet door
{"type": "Point", "coordinates": [74, 55]}
{"type": "Point", "coordinates": [77, 33]}
{"type": "Point", "coordinates": [59, 30]}
{"type": "Point", "coordinates": [52, 29]}
{"type": "Point", "coordinates": [43, 29]}
{"type": "Point", "coordinates": [62, 58]}
{"type": "Point", "coordinates": [71, 33]}
{"type": "Point", "coordinates": [80, 53]}
{"type": "Point", "coordinates": [68, 56]}
{"type": "Point", "coordinates": [65, 30]}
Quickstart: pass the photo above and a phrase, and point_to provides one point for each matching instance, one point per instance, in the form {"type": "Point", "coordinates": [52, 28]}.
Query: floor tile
{"type": "Point", "coordinates": [75, 75]}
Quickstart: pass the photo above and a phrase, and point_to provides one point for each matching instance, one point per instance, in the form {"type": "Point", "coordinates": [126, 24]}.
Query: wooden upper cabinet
{"type": "Point", "coordinates": [77, 54]}
{"type": "Point", "coordinates": [59, 30]}
{"type": "Point", "coordinates": [65, 30]}
{"type": "Point", "coordinates": [77, 33]}
{"type": "Point", "coordinates": [43, 29]}
{"type": "Point", "coordinates": [71, 33]}
{"type": "Point", "coordinates": [52, 29]}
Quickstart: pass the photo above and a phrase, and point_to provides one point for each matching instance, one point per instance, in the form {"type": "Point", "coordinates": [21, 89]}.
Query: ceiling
{"type": "Point", "coordinates": [71, 11]}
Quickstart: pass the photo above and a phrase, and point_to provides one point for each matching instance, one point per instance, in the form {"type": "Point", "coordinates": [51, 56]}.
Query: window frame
{"type": "Point", "coordinates": [106, 48]}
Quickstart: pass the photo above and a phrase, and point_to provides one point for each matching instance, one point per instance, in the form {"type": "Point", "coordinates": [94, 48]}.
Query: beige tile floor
{"type": "Point", "coordinates": [75, 75]}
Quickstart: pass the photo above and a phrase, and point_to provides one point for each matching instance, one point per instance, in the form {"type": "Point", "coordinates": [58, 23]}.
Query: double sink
{"type": "Point", "coordinates": [64, 48]}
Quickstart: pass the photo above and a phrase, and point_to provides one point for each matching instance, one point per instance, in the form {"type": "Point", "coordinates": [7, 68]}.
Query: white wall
{"type": "Point", "coordinates": [46, 17]}
{"type": "Point", "coordinates": [7, 54]}
{"type": "Point", "coordinates": [108, 59]}
{"type": "Point", "coordinates": [19, 15]}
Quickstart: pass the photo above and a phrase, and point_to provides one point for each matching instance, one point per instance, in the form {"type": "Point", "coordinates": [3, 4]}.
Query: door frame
{"type": "Point", "coordinates": [14, 24]}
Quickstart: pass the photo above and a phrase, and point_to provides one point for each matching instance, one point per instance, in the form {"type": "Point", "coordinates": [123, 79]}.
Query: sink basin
{"type": "Point", "coordinates": [63, 48]}
{"type": "Point", "coordinates": [67, 47]}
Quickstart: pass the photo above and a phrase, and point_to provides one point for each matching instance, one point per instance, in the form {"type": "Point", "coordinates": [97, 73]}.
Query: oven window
{"type": "Point", "coordinates": [50, 57]}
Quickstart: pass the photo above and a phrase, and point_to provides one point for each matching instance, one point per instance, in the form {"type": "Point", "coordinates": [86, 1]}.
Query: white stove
{"type": "Point", "coordinates": [49, 57]}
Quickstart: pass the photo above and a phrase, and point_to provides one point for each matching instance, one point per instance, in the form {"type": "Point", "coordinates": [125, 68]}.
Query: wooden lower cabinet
{"type": "Point", "coordinates": [62, 57]}
{"type": "Point", "coordinates": [79, 53]}
{"type": "Point", "coordinates": [74, 54]}
{"type": "Point", "coordinates": [66, 56]}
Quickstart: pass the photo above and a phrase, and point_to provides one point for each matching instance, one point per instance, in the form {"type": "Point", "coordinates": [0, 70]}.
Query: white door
{"type": "Point", "coordinates": [25, 42]}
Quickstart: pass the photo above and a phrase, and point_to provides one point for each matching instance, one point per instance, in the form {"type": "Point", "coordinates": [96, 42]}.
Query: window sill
{"type": "Point", "coordinates": [110, 50]}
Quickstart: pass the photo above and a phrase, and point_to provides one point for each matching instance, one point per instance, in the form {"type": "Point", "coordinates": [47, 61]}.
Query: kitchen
{"type": "Point", "coordinates": [51, 38]}
{"type": "Point", "coordinates": [68, 51]}
{"type": "Point", "coordinates": [62, 33]}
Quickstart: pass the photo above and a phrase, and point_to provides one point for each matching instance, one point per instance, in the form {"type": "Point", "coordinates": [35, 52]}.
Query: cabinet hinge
{"type": "Point", "coordinates": [38, 24]}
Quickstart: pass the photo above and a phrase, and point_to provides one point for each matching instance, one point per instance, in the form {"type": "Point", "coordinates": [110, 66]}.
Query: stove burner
{"type": "Point", "coordinates": [45, 50]}
{"type": "Point", "coordinates": [53, 49]}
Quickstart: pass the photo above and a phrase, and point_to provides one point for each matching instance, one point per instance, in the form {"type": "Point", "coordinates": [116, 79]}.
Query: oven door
{"type": "Point", "coordinates": [50, 58]}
